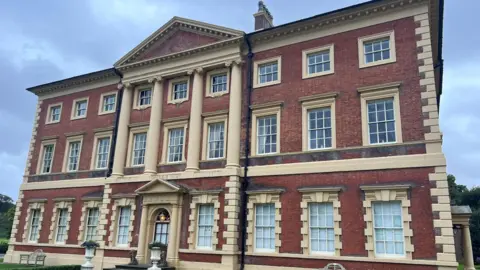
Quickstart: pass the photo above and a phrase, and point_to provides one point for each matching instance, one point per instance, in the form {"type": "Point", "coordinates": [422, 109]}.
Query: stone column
{"type": "Point", "coordinates": [174, 237]}
{"type": "Point", "coordinates": [195, 131]}
{"type": "Point", "coordinates": [142, 236]}
{"type": "Point", "coordinates": [234, 116]}
{"type": "Point", "coordinates": [153, 135]}
{"type": "Point", "coordinates": [122, 131]}
{"type": "Point", "coordinates": [467, 248]}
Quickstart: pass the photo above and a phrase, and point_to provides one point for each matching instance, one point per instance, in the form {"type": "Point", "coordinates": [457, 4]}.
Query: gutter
{"type": "Point", "coordinates": [108, 173]}
{"type": "Point", "coordinates": [246, 179]}
{"type": "Point", "coordinates": [441, 5]}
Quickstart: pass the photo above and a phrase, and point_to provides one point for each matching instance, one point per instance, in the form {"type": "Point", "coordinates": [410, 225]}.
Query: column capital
{"type": "Point", "coordinates": [228, 63]}
{"type": "Point", "coordinates": [128, 85]}
{"type": "Point", "coordinates": [198, 70]}
{"type": "Point", "coordinates": [239, 62]}
{"type": "Point", "coordinates": [155, 79]}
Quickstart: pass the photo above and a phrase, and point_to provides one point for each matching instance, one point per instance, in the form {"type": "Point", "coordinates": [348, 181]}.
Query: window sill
{"type": "Point", "coordinates": [378, 63]}
{"type": "Point", "coordinates": [213, 159]}
{"type": "Point", "coordinates": [177, 101]}
{"type": "Point", "coordinates": [50, 123]}
{"type": "Point", "coordinates": [143, 107]}
{"type": "Point", "coordinates": [318, 150]}
{"type": "Point", "coordinates": [78, 118]}
{"type": "Point", "coordinates": [265, 155]}
{"type": "Point", "coordinates": [218, 94]}
{"type": "Point", "coordinates": [207, 251]}
{"type": "Point", "coordinates": [172, 163]}
{"type": "Point", "coordinates": [105, 113]}
{"type": "Point", "coordinates": [318, 74]}
{"type": "Point", "coordinates": [260, 85]}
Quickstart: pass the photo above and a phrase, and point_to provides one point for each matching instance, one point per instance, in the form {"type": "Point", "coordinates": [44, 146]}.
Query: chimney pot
{"type": "Point", "coordinates": [263, 17]}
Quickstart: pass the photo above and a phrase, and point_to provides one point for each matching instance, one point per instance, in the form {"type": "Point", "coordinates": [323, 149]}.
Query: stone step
{"type": "Point", "coordinates": [136, 267]}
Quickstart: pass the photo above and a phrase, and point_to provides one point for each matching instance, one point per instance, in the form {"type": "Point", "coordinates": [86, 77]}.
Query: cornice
{"type": "Point", "coordinates": [182, 54]}
{"type": "Point", "coordinates": [96, 76]}
{"type": "Point", "coordinates": [329, 19]}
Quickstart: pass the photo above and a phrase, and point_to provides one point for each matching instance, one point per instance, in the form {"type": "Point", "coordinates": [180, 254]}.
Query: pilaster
{"type": "Point", "coordinates": [235, 115]}
{"type": "Point", "coordinates": [122, 131]}
{"type": "Point", "coordinates": [194, 132]}
{"type": "Point", "coordinates": [153, 135]}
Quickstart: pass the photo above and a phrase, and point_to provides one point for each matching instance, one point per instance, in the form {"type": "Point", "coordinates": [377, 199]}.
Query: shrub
{"type": "Point", "coordinates": [3, 246]}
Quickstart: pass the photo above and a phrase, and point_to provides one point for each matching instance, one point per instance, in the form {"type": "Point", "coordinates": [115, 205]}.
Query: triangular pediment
{"type": "Point", "coordinates": [158, 186]}
{"type": "Point", "coordinates": [177, 35]}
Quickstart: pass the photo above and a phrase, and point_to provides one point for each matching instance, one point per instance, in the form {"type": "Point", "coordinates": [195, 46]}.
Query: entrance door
{"type": "Point", "coordinates": [162, 227]}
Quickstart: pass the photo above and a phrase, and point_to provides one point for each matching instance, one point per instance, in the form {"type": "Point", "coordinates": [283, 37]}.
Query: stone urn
{"type": "Point", "coordinates": [90, 247]}
{"type": "Point", "coordinates": [158, 255]}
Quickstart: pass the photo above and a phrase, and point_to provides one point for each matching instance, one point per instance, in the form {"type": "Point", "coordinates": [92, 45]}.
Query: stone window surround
{"type": "Point", "coordinates": [49, 110]}
{"type": "Point", "coordinates": [171, 83]}
{"type": "Point", "coordinates": [40, 156]}
{"type": "Point", "coordinates": [97, 137]}
{"type": "Point", "coordinates": [133, 131]}
{"type": "Point", "coordinates": [212, 119]}
{"type": "Point", "coordinates": [256, 64]}
{"type": "Point", "coordinates": [100, 103]}
{"type": "Point", "coordinates": [320, 195]}
{"type": "Point", "coordinates": [87, 204]}
{"type": "Point", "coordinates": [361, 55]}
{"type": "Point", "coordinates": [60, 203]}
{"type": "Point", "coordinates": [305, 53]}
{"type": "Point", "coordinates": [326, 100]}
{"type": "Point", "coordinates": [263, 197]}
{"type": "Point", "coordinates": [387, 193]}
{"type": "Point", "coordinates": [203, 197]}
{"type": "Point", "coordinates": [71, 139]}
{"type": "Point", "coordinates": [166, 128]}
{"type": "Point", "coordinates": [212, 73]}
{"type": "Point", "coordinates": [136, 95]}
{"type": "Point", "coordinates": [33, 204]}
{"type": "Point", "coordinates": [74, 106]}
{"type": "Point", "coordinates": [382, 91]}
{"type": "Point", "coordinates": [125, 201]}
{"type": "Point", "coordinates": [267, 109]}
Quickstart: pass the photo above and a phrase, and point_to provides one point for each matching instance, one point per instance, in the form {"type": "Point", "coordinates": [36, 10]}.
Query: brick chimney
{"type": "Point", "coordinates": [263, 18]}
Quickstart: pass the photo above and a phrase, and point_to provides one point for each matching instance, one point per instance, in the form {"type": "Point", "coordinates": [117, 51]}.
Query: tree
{"type": "Point", "coordinates": [5, 203]}
{"type": "Point", "coordinates": [455, 190]}
{"type": "Point", "coordinates": [7, 213]}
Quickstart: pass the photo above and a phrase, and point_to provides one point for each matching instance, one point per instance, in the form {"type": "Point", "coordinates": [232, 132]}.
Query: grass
{"type": "Point", "coordinates": [460, 267]}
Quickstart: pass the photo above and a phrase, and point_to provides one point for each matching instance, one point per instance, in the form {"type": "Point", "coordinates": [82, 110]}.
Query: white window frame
{"type": "Point", "coordinates": [378, 92]}
{"type": "Point", "coordinates": [95, 226]}
{"type": "Point", "coordinates": [385, 254]}
{"type": "Point", "coordinates": [270, 227]}
{"type": "Point", "coordinates": [366, 39]}
{"type": "Point", "coordinates": [66, 155]}
{"type": "Point", "coordinates": [198, 198]}
{"type": "Point", "coordinates": [125, 201]}
{"type": "Point", "coordinates": [41, 159]}
{"type": "Point", "coordinates": [130, 155]}
{"type": "Point", "coordinates": [61, 225]}
{"type": "Point", "coordinates": [38, 225]}
{"type": "Point", "coordinates": [136, 96]}
{"type": "Point", "coordinates": [256, 70]}
{"type": "Point", "coordinates": [171, 85]}
{"type": "Point", "coordinates": [208, 247]}
{"type": "Point", "coordinates": [321, 101]}
{"type": "Point", "coordinates": [48, 119]}
{"type": "Point", "coordinates": [262, 111]}
{"type": "Point", "coordinates": [134, 143]}
{"type": "Point", "coordinates": [305, 53]}
{"type": "Point", "coordinates": [74, 115]}
{"type": "Point", "coordinates": [117, 235]}
{"type": "Point", "coordinates": [210, 75]}
{"type": "Point", "coordinates": [101, 106]}
{"type": "Point", "coordinates": [207, 121]}
{"type": "Point", "coordinates": [166, 132]}
{"type": "Point", "coordinates": [326, 227]}
{"type": "Point", "coordinates": [98, 136]}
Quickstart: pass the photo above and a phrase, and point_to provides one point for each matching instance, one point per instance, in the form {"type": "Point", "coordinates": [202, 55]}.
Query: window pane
{"type": "Point", "coordinates": [381, 119]}
{"type": "Point", "coordinates": [318, 62]}
{"type": "Point", "coordinates": [80, 108]}
{"type": "Point", "coordinates": [103, 151]}
{"type": "Point", "coordinates": [47, 158]}
{"type": "Point", "coordinates": [123, 226]}
{"type": "Point", "coordinates": [319, 127]}
{"type": "Point", "coordinates": [268, 72]}
{"type": "Point", "coordinates": [322, 236]}
{"type": "Point", "coordinates": [175, 145]}
{"type": "Point", "coordinates": [266, 134]}
{"type": "Point", "coordinates": [139, 146]}
{"type": "Point", "coordinates": [265, 226]}
{"type": "Point", "coordinates": [388, 228]}
{"type": "Point", "coordinates": [179, 90]}
{"type": "Point", "coordinates": [205, 225]}
{"type": "Point", "coordinates": [216, 140]}
{"type": "Point", "coordinates": [377, 50]}
{"type": "Point", "coordinates": [145, 97]}
{"type": "Point", "coordinates": [73, 155]}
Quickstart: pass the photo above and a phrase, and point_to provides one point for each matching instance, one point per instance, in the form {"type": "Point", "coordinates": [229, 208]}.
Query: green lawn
{"type": "Point", "coordinates": [460, 267]}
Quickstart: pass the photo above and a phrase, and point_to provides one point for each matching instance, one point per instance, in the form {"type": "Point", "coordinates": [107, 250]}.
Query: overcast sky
{"type": "Point", "coordinates": [48, 40]}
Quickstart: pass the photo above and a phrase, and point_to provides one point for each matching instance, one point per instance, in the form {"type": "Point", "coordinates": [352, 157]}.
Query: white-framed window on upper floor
{"type": "Point", "coordinates": [101, 150]}
{"type": "Point", "coordinates": [108, 102]}
{"type": "Point", "coordinates": [61, 233]}
{"type": "Point", "coordinates": [92, 223]}
{"type": "Point", "coordinates": [218, 82]}
{"type": "Point", "coordinates": [173, 150]}
{"type": "Point", "coordinates": [178, 89]}
{"type": "Point", "coordinates": [381, 121]}
{"type": "Point", "coordinates": [144, 97]}
{"type": "Point", "coordinates": [266, 131]}
{"type": "Point", "coordinates": [318, 122]}
{"type": "Point", "coordinates": [46, 157]}
{"type": "Point", "coordinates": [34, 231]}
{"type": "Point", "coordinates": [377, 49]}
{"type": "Point", "coordinates": [318, 61]}
{"type": "Point", "coordinates": [73, 149]}
{"type": "Point", "coordinates": [54, 113]}
{"type": "Point", "coordinates": [322, 231]}
{"type": "Point", "coordinates": [267, 72]}
{"type": "Point", "coordinates": [214, 137]}
{"type": "Point", "coordinates": [79, 108]}
{"type": "Point", "coordinates": [137, 146]}
{"type": "Point", "coordinates": [205, 226]}
{"type": "Point", "coordinates": [123, 227]}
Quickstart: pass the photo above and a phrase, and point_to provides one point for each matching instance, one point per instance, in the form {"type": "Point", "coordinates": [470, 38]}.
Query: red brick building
{"type": "Point", "coordinates": [295, 146]}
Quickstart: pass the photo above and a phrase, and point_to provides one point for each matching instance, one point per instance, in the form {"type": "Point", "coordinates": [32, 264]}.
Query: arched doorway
{"type": "Point", "coordinates": [162, 227]}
